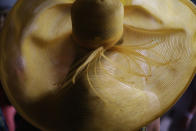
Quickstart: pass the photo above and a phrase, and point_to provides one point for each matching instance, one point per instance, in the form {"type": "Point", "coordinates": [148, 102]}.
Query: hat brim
{"type": "Point", "coordinates": [150, 70]}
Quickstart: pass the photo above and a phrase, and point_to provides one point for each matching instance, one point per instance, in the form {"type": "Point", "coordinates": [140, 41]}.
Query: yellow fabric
{"type": "Point", "coordinates": [122, 88]}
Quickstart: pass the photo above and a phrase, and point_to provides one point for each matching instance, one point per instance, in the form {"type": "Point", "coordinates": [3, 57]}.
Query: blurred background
{"type": "Point", "coordinates": [181, 117]}
{"type": "Point", "coordinates": [6, 4]}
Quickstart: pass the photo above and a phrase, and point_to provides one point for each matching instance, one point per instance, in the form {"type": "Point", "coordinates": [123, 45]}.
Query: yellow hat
{"type": "Point", "coordinates": [57, 83]}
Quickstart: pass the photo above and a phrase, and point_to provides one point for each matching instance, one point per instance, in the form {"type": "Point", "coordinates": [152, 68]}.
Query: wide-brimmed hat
{"type": "Point", "coordinates": [58, 85]}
